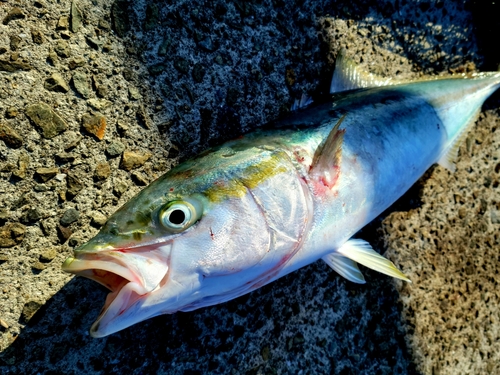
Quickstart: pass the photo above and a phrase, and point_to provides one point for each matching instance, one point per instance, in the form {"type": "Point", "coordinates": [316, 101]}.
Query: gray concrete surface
{"type": "Point", "coordinates": [131, 87]}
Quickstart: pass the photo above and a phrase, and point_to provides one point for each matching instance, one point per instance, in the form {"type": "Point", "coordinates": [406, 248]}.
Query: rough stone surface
{"type": "Point", "coordinates": [45, 119]}
{"type": "Point", "coordinates": [46, 174]}
{"type": "Point", "coordinates": [206, 72]}
{"type": "Point", "coordinates": [11, 234]}
{"type": "Point", "coordinates": [56, 83]}
{"type": "Point", "coordinates": [70, 216]}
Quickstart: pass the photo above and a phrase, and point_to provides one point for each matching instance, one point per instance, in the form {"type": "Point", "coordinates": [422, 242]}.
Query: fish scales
{"type": "Point", "coordinates": [245, 213]}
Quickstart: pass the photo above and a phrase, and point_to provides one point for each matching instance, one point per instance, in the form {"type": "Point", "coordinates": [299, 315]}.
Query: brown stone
{"type": "Point", "coordinates": [95, 125]}
{"type": "Point", "coordinates": [132, 160]}
{"type": "Point", "coordinates": [10, 136]}
{"type": "Point", "coordinates": [102, 171]}
{"type": "Point", "coordinates": [11, 234]}
{"type": "Point", "coordinates": [45, 174]}
{"type": "Point", "coordinates": [48, 122]}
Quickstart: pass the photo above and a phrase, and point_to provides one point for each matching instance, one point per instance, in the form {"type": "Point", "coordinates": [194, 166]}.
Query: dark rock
{"type": "Point", "coordinates": [10, 136]}
{"type": "Point", "coordinates": [15, 41]}
{"type": "Point", "coordinates": [182, 65]}
{"type": "Point", "coordinates": [13, 66]}
{"type": "Point", "coordinates": [37, 36]}
{"type": "Point", "coordinates": [139, 178]}
{"type": "Point", "coordinates": [164, 46]}
{"type": "Point", "coordinates": [95, 125]}
{"type": "Point", "coordinates": [120, 11]}
{"type": "Point", "coordinates": [46, 120]}
{"type": "Point", "coordinates": [45, 174]}
{"type": "Point", "coordinates": [70, 216]}
{"type": "Point", "coordinates": [152, 16]}
{"type": "Point", "coordinates": [31, 216]}
{"type": "Point", "coordinates": [63, 233]}
{"type": "Point", "coordinates": [198, 72]}
{"type": "Point", "coordinates": [65, 157]}
{"type": "Point", "coordinates": [75, 17]}
{"type": "Point", "coordinates": [11, 234]}
{"type": "Point", "coordinates": [74, 184]}
{"type": "Point", "coordinates": [56, 83]}
{"type": "Point", "coordinates": [14, 14]}
{"type": "Point", "coordinates": [115, 148]}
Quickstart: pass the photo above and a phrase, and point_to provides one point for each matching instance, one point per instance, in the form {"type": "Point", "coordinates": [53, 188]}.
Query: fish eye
{"type": "Point", "coordinates": [180, 215]}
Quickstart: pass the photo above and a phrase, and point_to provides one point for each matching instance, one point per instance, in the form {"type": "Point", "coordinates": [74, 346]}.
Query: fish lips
{"type": "Point", "coordinates": [131, 274]}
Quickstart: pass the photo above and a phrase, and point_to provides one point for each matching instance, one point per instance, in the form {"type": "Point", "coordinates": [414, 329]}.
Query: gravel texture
{"type": "Point", "coordinates": [99, 98]}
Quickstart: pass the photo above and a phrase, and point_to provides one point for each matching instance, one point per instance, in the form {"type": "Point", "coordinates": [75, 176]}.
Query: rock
{"type": "Point", "coordinates": [74, 184]}
{"type": "Point", "coordinates": [77, 62]}
{"type": "Point", "coordinates": [139, 178]}
{"type": "Point", "coordinates": [11, 234]}
{"type": "Point", "coordinates": [65, 157]}
{"type": "Point", "coordinates": [45, 174]}
{"type": "Point", "coordinates": [63, 23]}
{"type": "Point", "coordinates": [70, 216]}
{"type": "Point", "coordinates": [48, 255]}
{"type": "Point", "coordinates": [182, 65]}
{"type": "Point", "coordinates": [94, 43]}
{"type": "Point", "coordinates": [22, 166]}
{"type": "Point", "coordinates": [29, 310]}
{"type": "Point", "coordinates": [76, 17]}
{"type": "Point", "coordinates": [164, 46]}
{"type": "Point", "coordinates": [13, 66]}
{"type": "Point", "coordinates": [98, 219]}
{"type": "Point", "coordinates": [120, 17]}
{"type": "Point", "coordinates": [44, 118]}
{"type": "Point", "coordinates": [134, 93]}
{"type": "Point", "coordinates": [81, 83]}
{"type": "Point", "coordinates": [63, 233]}
{"type": "Point", "coordinates": [31, 216]}
{"type": "Point", "coordinates": [132, 160]}
{"type": "Point", "coordinates": [102, 171]}
{"type": "Point", "coordinates": [120, 188]}
{"type": "Point", "coordinates": [11, 112]}
{"type": "Point", "coordinates": [37, 36]}
{"type": "Point", "coordinates": [56, 83]}
{"type": "Point", "coordinates": [62, 49]}
{"type": "Point", "coordinates": [99, 104]}
{"type": "Point", "coordinates": [115, 148]}
{"type": "Point", "coordinates": [15, 42]}
{"type": "Point", "coordinates": [95, 125]}
{"type": "Point", "coordinates": [104, 24]}
{"type": "Point", "coordinates": [4, 216]}
{"type": "Point", "coordinates": [152, 17]}
{"type": "Point", "coordinates": [198, 72]}
{"type": "Point", "coordinates": [14, 14]}
{"type": "Point", "coordinates": [142, 118]}
{"type": "Point", "coordinates": [11, 138]}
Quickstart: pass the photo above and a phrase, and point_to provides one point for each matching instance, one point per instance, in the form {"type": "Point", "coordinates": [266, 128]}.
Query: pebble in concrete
{"type": "Point", "coordinates": [46, 120]}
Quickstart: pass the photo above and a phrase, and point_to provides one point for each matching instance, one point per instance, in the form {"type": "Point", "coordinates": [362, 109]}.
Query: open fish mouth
{"type": "Point", "coordinates": [129, 274]}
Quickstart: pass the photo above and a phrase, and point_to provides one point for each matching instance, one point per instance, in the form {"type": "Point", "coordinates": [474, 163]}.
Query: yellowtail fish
{"type": "Point", "coordinates": [245, 213]}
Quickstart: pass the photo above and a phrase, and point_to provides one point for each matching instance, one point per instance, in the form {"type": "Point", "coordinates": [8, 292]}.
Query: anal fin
{"type": "Point", "coordinates": [361, 252]}
{"type": "Point", "coordinates": [344, 267]}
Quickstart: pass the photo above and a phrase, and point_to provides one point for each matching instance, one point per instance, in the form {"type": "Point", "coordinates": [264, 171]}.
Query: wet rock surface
{"type": "Point", "coordinates": [98, 98]}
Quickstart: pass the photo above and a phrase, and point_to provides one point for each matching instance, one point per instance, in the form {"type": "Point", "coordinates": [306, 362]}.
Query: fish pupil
{"type": "Point", "coordinates": [177, 217]}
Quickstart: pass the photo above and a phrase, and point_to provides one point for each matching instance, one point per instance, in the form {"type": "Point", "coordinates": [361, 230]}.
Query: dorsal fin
{"type": "Point", "coordinates": [325, 167]}
{"type": "Point", "coordinates": [348, 76]}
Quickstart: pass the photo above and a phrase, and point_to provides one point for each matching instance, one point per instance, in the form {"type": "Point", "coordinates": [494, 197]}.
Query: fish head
{"type": "Point", "coordinates": [195, 237]}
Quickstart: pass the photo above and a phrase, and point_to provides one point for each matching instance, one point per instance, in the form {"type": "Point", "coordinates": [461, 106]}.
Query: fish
{"type": "Point", "coordinates": [245, 213]}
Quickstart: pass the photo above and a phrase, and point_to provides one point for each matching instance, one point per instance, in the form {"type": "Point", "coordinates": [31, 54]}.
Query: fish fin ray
{"type": "Point", "coordinates": [449, 155]}
{"type": "Point", "coordinates": [325, 166]}
{"type": "Point", "coordinates": [361, 252]}
{"type": "Point", "coordinates": [304, 101]}
{"type": "Point", "coordinates": [345, 267]}
{"type": "Point", "coordinates": [349, 76]}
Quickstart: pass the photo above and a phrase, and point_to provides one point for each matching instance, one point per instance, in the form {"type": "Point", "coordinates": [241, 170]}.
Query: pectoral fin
{"type": "Point", "coordinates": [344, 267]}
{"type": "Point", "coordinates": [361, 252]}
{"type": "Point", "coordinates": [326, 162]}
